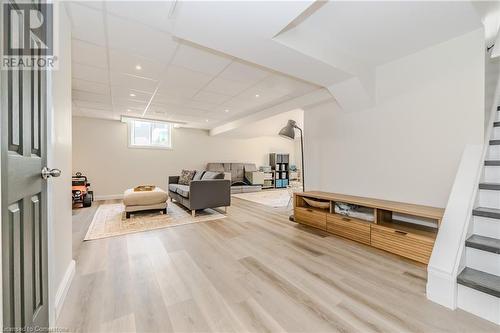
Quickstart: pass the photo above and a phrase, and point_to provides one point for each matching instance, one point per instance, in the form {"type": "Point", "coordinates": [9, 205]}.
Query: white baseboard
{"type": "Point", "coordinates": [62, 291]}
{"type": "Point", "coordinates": [108, 197]}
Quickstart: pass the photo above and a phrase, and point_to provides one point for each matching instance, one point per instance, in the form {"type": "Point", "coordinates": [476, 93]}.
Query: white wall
{"type": "Point", "coordinates": [408, 146]}
{"type": "Point", "coordinates": [61, 265]}
{"type": "Point", "coordinates": [100, 151]}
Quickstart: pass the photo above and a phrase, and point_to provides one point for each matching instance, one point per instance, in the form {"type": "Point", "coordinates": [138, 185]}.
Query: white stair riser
{"type": "Point", "coordinates": [484, 226]}
{"type": "Point", "coordinates": [479, 303]}
{"type": "Point", "coordinates": [483, 261]}
{"type": "Point", "coordinates": [492, 174]}
{"type": "Point", "coordinates": [495, 133]}
{"type": "Point", "coordinates": [489, 199]}
{"type": "Point", "coordinates": [494, 153]}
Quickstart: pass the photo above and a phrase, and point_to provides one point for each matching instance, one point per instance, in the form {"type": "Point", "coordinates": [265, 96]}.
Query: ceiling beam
{"type": "Point", "coordinates": [319, 95]}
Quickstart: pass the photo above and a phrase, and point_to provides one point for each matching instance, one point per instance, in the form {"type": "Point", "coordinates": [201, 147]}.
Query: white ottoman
{"type": "Point", "coordinates": [145, 200]}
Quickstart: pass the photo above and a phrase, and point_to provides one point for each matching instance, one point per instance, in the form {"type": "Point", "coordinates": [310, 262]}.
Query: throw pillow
{"type": "Point", "coordinates": [197, 175]}
{"type": "Point", "coordinates": [212, 175]}
{"type": "Point", "coordinates": [186, 177]}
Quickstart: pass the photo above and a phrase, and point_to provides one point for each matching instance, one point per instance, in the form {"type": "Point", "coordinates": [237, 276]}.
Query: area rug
{"type": "Point", "coordinates": [271, 198]}
{"type": "Point", "coordinates": [109, 220]}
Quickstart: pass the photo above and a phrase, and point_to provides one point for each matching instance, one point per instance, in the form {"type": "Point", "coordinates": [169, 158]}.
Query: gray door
{"type": "Point", "coordinates": [24, 197]}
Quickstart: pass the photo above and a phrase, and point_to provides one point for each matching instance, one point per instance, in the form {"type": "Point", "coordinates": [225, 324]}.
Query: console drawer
{"type": "Point", "coordinates": [348, 227]}
{"type": "Point", "coordinates": [313, 217]}
{"type": "Point", "coordinates": [404, 243]}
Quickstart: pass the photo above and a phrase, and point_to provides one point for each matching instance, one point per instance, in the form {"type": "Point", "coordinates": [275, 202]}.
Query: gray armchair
{"type": "Point", "coordinates": [208, 190]}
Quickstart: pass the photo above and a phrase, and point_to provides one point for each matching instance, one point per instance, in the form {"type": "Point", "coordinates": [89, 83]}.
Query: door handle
{"type": "Point", "coordinates": [47, 173]}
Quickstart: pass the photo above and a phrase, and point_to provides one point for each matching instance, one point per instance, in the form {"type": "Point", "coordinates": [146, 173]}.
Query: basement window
{"type": "Point", "coordinates": [149, 134]}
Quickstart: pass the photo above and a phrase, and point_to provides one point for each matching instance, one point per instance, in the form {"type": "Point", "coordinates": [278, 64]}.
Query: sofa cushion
{"type": "Point", "coordinates": [186, 177]}
{"type": "Point", "coordinates": [250, 167]}
{"type": "Point", "coordinates": [198, 175]}
{"type": "Point", "coordinates": [173, 187]}
{"type": "Point", "coordinates": [212, 175]}
{"type": "Point", "coordinates": [183, 190]}
{"type": "Point", "coordinates": [215, 167]}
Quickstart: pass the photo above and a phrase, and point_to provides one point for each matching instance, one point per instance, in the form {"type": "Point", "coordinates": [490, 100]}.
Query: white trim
{"type": "Point", "coordinates": [108, 197]}
{"type": "Point", "coordinates": [63, 288]}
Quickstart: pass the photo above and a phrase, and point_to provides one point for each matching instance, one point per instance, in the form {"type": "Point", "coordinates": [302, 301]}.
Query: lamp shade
{"type": "Point", "coordinates": [289, 130]}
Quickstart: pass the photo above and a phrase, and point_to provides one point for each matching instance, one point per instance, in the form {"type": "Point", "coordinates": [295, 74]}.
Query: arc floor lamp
{"type": "Point", "coordinates": [288, 132]}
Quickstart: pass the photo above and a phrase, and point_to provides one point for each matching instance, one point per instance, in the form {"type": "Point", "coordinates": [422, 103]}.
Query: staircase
{"type": "Point", "coordinates": [479, 281]}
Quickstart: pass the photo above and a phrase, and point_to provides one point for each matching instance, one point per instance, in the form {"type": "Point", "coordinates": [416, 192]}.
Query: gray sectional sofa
{"type": "Point", "coordinates": [207, 189]}
{"type": "Point", "coordinates": [245, 177]}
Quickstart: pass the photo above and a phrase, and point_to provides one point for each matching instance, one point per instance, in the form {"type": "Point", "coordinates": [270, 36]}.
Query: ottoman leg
{"type": "Point", "coordinates": [165, 211]}
{"type": "Point", "coordinates": [127, 215]}
{"type": "Point", "coordinates": [193, 213]}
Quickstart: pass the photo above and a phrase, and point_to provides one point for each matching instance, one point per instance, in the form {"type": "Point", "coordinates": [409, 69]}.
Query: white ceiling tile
{"type": "Point", "coordinates": [88, 24]}
{"type": "Point", "coordinates": [152, 13]}
{"type": "Point", "coordinates": [183, 76]}
{"type": "Point", "coordinates": [88, 54]}
{"type": "Point", "coordinates": [281, 85]}
{"type": "Point", "coordinates": [92, 87]}
{"type": "Point", "coordinates": [78, 95]}
{"type": "Point", "coordinates": [227, 87]}
{"type": "Point", "coordinates": [210, 97]}
{"type": "Point", "coordinates": [89, 73]}
{"type": "Point", "coordinates": [133, 82]}
{"type": "Point", "coordinates": [136, 38]}
{"type": "Point", "coordinates": [120, 61]}
{"type": "Point", "coordinates": [169, 99]}
{"type": "Point", "coordinates": [122, 93]}
{"type": "Point", "coordinates": [182, 82]}
{"type": "Point", "coordinates": [129, 104]}
{"type": "Point", "coordinates": [240, 71]}
{"type": "Point", "coordinates": [200, 59]}
{"type": "Point", "coordinates": [202, 105]}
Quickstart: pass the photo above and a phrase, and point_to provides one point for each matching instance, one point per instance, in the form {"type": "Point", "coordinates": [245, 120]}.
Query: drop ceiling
{"type": "Point", "coordinates": [126, 62]}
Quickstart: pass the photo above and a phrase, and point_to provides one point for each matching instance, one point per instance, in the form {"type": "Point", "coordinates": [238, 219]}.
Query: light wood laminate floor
{"type": "Point", "coordinates": [252, 272]}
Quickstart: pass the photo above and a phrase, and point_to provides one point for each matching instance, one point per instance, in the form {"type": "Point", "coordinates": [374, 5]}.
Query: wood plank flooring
{"type": "Point", "coordinates": [253, 271]}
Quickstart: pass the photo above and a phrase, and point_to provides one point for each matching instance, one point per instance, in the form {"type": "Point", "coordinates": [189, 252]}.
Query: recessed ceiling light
{"type": "Point", "coordinates": [177, 125]}
{"type": "Point", "coordinates": [206, 120]}
{"type": "Point", "coordinates": [257, 96]}
{"type": "Point", "coordinates": [128, 110]}
{"type": "Point", "coordinates": [226, 110]}
{"type": "Point", "coordinates": [138, 67]}
{"type": "Point", "coordinates": [132, 95]}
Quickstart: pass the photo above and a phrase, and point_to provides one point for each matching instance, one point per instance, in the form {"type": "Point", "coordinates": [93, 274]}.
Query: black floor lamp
{"type": "Point", "coordinates": [288, 132]}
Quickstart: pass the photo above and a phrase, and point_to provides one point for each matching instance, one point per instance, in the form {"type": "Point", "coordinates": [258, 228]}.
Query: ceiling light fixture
{"type": "Point", "coordinates": [177, 125]}
{"type": "Point", "coordinates": [226, 110]}
{"type": "Point", "coordinates": [257, 96]}
{"type": "Point", "coordinates": [128, 110]}
{"type": "Point", "coordinates": [206, 120]}
{"type": "Point", "coordinates": [132, 95]}
{"type": "Point", "coordinates": [138, 67]}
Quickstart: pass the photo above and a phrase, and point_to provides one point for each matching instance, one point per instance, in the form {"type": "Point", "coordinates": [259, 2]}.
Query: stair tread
{"type": "Point", "coordinates": [494, 142]}
{"type": "Point", "coordinates": [489, 186]}
{"type": "Point", "coordinates": [485, 282]}
{"type": "Point", "coordinates": [493, 213]}
{"type": "Point", "coordinates": [492, 162]}
{"type": "Point", "coordinates": [496, 124]}
{"type": "Point", "coordinates": [484, 243]}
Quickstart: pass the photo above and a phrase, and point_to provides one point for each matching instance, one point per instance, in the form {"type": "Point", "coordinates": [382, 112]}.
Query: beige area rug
{"type": "Point", "coordinates": [271, 198]}
{"type": "Point", "coordinates": [109, 220]}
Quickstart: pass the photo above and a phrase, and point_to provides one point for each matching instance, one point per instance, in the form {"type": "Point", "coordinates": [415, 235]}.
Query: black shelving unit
{"type": "Point", "coordinates": [280, 164]}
